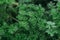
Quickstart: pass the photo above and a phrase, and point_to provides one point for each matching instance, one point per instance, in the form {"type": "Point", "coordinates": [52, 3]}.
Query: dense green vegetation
{"type": "Point", "coordinates": [29, 20]}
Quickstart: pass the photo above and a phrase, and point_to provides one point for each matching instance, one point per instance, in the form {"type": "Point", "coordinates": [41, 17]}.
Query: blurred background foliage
{"type": "Point", "coordinates": [29, 20]}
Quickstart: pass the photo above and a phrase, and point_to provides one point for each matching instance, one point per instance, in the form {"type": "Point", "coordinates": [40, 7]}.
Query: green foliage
{"type": "Point", "coordinates": [29, 21]}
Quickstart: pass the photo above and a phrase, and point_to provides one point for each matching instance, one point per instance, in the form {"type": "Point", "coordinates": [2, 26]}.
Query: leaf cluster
{"type": "Point", "coordinates": [21, 21]}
